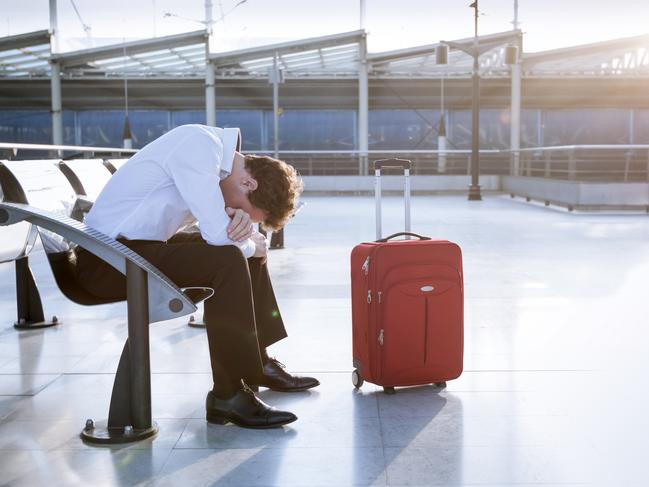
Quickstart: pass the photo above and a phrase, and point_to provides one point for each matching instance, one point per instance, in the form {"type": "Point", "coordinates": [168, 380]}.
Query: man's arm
{"type": "Point", "coordinates": [194, 166]}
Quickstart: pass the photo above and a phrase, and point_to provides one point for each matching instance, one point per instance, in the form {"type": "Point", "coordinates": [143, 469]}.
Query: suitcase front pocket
{"type": "Point", "coordinates": [420, 320]}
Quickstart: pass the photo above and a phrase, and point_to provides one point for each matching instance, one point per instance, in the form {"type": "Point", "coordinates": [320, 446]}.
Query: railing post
{"type": "Point", "coordinates": [627, 163]}
{"type": "Point", "coordinates": [515, 163]}
{"type": "Point", "coordinates": [648, 165]}
{"type": "Point", "coordinates": [548, 164]}
{"type": "Point", "coordinates": [572, 165]}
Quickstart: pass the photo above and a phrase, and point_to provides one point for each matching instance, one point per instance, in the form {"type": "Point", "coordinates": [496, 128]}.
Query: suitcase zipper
{"type": "Point", "coordinates": [425, 331]}
{"type": "Point", "coordinates": [381, 337]}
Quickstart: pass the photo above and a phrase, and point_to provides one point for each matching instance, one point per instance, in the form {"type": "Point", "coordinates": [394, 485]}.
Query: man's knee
{"type": "Point", "coordinates": [228, 259]}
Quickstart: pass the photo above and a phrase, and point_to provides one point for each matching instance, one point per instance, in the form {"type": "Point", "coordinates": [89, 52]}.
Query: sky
{"type": "Point", "coordinates": [391, 24]}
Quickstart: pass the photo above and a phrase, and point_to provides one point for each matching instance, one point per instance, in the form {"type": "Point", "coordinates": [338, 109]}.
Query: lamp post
{"type": "Point", "coordinates": [474, 189]}
{"type": "Point", "coordinates": [474, 51]}
{"type": "Point", "coordinates": [441, 57]}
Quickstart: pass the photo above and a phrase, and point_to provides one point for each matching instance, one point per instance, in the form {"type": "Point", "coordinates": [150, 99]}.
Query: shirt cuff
{"type": "Point", "coordinates": [247, 247]}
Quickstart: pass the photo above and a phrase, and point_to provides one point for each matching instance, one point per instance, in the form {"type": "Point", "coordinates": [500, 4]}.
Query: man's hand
{"type": "Point", "coordinates": [261, 246]}
{"type": "Point", "coordinates": [240, 228]}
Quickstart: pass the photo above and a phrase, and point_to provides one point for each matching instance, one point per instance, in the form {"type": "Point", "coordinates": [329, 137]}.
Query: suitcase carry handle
{"type": "Point", "coordinates": [405, 165]}
{"type": "Point", "coordinates": [402, 163]}
{"type": "Point", "coordinates": [420, 237]}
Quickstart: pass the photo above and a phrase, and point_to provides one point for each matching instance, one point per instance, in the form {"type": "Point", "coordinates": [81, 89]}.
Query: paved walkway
{"type": "Point", "coordinates": [554, 392]}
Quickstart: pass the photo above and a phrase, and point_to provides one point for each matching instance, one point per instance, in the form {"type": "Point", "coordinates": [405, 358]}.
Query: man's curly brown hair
{"type": "Point", "coordinates": [278, 188]}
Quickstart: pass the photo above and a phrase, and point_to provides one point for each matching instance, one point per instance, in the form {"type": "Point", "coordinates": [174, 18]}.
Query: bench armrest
{"type": "Point", "coordinates": [82, 206]}
{"type": "Point", "coordinates": [166, 300]}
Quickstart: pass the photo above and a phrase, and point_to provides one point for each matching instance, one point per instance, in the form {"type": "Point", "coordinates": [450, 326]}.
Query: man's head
{"type": "Point", "coordinates": [265, 188]}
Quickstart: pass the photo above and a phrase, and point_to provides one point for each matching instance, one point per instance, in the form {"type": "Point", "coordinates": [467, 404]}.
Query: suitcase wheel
{"type": "Point", "coordinates": [357, 379]}
{"type": "Point", "coordinates": [440, 384]}
{"type": "Point", "coordinates": [389, 390]}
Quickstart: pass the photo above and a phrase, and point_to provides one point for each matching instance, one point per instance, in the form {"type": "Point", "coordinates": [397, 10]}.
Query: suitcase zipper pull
{"type": "Point", "coordinates": [381, 335]}
{"type": "Point", "coordinates": [366, 266]}
{"type": "Point", "coordinates": [369, 296]}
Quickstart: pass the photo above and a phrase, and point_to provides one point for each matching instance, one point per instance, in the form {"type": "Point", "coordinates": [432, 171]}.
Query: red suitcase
{"type": "Point", "coordinates": [407, 304]}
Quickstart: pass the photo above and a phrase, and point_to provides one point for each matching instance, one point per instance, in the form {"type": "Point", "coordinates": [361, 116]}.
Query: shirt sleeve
{"type": "Point", "coordinates": [194, 165]}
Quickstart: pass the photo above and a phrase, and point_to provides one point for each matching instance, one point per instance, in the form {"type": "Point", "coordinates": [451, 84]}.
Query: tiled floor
{"type": "Point", "coordinates": [555, 390]}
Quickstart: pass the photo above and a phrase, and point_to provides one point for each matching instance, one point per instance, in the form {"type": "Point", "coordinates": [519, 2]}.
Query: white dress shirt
{"type": "Point", "coordinates": [170, 184]}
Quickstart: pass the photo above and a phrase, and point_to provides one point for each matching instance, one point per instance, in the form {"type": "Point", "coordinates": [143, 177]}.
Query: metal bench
{"type": "Point", "coordinates": [47, 188]}
{"type": "Point", "coordinates": [150, 295]}
{"type": "Point", "coordinates": [114, 164]}
{"type": "Point", "coordinates": [87, 176]}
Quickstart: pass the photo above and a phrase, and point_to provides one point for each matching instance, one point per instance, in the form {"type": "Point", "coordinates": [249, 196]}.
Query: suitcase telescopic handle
{"type": "Point", "coordinates": [400, 163]}
{"type": "Point", "coordinates": [420, 237]}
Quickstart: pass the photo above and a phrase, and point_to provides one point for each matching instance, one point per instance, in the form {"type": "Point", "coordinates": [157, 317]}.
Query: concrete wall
{"type": "Point", "coordinates": [571, 194]}
{"type": "Point", "coordinates": [418, 184]}
{"type": "Point", "coordinates": [579, 194]}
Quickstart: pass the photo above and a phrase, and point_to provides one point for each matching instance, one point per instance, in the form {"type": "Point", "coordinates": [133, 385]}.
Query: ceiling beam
{"type": "Point", "coordinates": [85, 56]}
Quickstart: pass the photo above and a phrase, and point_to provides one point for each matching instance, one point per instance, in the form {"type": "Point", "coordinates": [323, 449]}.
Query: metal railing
{"type": "Point", "coordinates": [628, 162]}
{"type": "Point", "coordinates": [354, 162]}
{"type": "Point", "coordinates": [11, 150]}
{"type": "Point", "coordinates": [619, 162]}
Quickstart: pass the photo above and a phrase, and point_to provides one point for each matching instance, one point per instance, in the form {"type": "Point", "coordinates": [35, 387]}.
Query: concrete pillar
{"type": "Point", "coordinates": [515, 130]}
{"type": "Point", "coordinates": [57, 113]}
{"type": "Point", "coordinates": [363, 108]}
{"type": "Point", "coordinates": [441, 144]}
{"type": "Point", "coordinates": [55, 82]}
{"type": "Point", "coordinates": [275, 81]}
{"type": "Point", "coordinates": [210, 94]}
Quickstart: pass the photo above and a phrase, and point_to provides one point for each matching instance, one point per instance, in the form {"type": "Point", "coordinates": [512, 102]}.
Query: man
{"type": "Point", "coordinates": [195, 173]}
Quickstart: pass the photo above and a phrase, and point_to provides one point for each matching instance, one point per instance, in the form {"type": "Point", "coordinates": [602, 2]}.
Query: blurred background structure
{"type": "Point", "coordinates": [331, 93]}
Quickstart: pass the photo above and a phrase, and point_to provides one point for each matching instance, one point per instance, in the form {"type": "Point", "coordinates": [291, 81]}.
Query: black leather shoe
{"type": "Point", "coordinates": [246, 410]}
{"type": "Point", "coordinates": [276, 378]}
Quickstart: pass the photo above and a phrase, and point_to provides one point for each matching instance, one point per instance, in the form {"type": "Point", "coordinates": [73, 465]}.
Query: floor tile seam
{"type": "Point", "coordinates": [319, 371]}
{"type": "Point", "coordinates": [270, 447]}
{"type": "Point", "coordinates": [479, 416]}
{"type": "Point", "coordinates": [187, 421]}
{"type": "Point", "coordinates": [381, 436]}
{"type": "Point", "coordinates": [480, 371]}
{"type": "Point", "coordinates": [22, 395]}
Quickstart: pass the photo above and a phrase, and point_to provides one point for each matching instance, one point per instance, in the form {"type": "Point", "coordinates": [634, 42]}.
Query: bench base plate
{"type": "Point", "coordinates": [34, 325]}
{"type": "Point", "coordinates": [102, 435]}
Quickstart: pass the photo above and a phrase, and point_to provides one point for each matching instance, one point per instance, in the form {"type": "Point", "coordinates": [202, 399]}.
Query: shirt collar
{"type": "Point", "coordinates": [231, 139]}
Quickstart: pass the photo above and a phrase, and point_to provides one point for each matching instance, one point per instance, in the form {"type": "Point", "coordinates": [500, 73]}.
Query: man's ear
{"type": "Point", "coordinates": [249, 183]}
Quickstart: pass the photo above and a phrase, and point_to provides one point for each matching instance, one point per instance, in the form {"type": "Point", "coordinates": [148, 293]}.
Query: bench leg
{"type": "Point", "coordinates": [129, 418]}
{"type": "Point", "coordinates": [28, 299]}
{"type": "Point", "coordinates": [277, 240]}
{"type": "Point", "coordinates": [196, 324]}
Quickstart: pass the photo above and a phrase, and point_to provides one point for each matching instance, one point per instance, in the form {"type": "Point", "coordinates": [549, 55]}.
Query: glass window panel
{"type": "Point", "coordinates": [585, 126]}
{"type": "Point", "coordinates": [101, 128]}
{"type": "Point", "coordinates": [183, 117]}
{"type": "Point", "coordinates": [494, 129]}
{"type": "Point", "coordinates": [69, 128]}
{"type": "Point", "coordinates": [529, 128]}
{"type": "Point", "coordinates": [250, 123]}
{"type": "Point", "coordinates": [26, 126]}
{"type": "Point", "coordinates": [313, 130]}
{"type": "Point", "coordinates": [641, 135]}
{"type": "Point", "coordinates": [403, 129]}
{"type": "Point", "coordinates": [147, 125]}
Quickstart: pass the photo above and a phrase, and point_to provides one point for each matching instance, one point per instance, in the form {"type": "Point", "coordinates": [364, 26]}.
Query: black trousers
{"type": "Point", "coordinates": [241, 317]}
